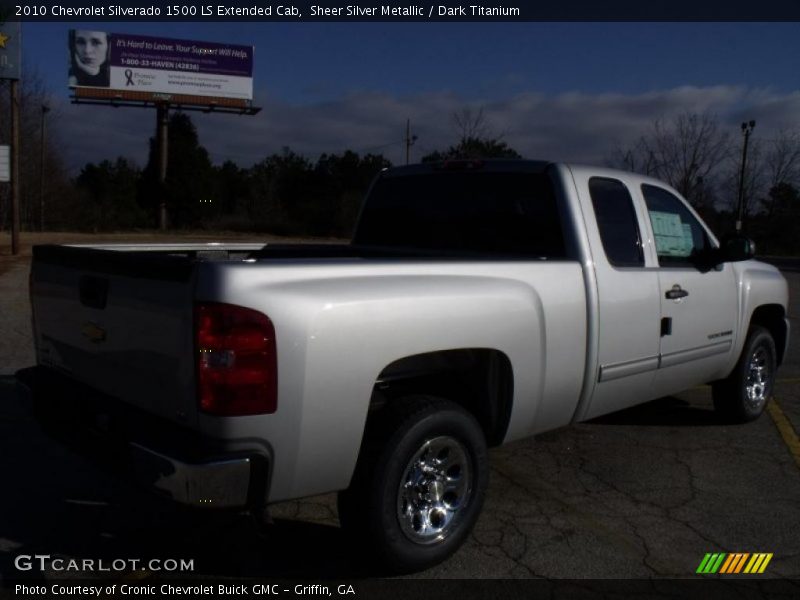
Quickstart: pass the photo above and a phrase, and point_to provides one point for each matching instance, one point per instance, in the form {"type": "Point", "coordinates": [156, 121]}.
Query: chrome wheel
{"type": "Point", "coordinates": [434, 490]}
{"type": "Point", "coordinates": [419, 484]}
{"type": "Point", "coordinates": [757, 382]}
{"type": "Point", "coordinates": [742, 396]}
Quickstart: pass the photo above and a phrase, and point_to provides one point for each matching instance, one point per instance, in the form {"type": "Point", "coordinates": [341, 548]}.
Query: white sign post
{"type": "Point", "coordinates": [5, 163]}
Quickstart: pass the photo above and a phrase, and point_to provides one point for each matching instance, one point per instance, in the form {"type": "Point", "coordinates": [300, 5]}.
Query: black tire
{"type": "Point", "coordinates": [402, 516]}
{"type": "Point", "coordinates": [743, 395]}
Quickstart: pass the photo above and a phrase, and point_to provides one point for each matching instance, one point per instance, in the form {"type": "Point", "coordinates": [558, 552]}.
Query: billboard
{"type": "Point", "coordinates": [137, 67]}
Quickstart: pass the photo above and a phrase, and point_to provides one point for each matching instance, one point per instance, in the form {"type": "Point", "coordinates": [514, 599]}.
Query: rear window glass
{"type": "Point", "coordinates": [498, 213]}
{"type": "Point", "coordinates": [616, 219]}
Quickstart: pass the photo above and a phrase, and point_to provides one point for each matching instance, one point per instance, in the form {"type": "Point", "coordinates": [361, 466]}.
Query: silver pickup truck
{"type": "Point", "coordinates": [479, 302]}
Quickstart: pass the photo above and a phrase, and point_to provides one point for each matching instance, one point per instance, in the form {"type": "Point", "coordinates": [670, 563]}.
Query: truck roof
{"type": "Point", "coordinates": [470, 164]}
{"type": "Point", "coordinates": [515, 165]}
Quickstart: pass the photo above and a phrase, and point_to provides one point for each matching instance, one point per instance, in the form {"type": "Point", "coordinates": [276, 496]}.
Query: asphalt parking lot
{"type": "Point", "coordinates": [642, 493]}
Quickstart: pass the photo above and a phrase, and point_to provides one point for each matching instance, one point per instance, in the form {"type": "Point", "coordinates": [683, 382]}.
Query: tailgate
{"type": "Point", "coordinates": [119, 321]}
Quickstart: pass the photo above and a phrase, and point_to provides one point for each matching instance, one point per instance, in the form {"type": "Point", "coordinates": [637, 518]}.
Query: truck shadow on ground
{"type": "Point", "coordinates": [663, 412]}
{"type": "Point", "coordinates": [56, 503]}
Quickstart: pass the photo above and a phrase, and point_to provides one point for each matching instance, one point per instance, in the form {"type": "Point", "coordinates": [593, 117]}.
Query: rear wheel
{"type": "Point", "coordinates": [419, 485]}
{"type": "Point", "coordinates": [744, 394]}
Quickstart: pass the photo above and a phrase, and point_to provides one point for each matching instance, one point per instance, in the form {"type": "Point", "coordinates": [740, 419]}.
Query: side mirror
{"type": "Point", "coordinates": [735, 248]}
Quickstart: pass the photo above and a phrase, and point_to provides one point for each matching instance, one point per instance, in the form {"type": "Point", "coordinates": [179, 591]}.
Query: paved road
{"type": "Point", "coordinates": [641, 493]}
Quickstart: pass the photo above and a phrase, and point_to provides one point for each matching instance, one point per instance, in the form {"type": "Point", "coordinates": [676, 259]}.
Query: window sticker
{"type": "Point", "coordinates": [673, 237]}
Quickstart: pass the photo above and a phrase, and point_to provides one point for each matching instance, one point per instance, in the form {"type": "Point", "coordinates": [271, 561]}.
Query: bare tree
{"type": "Point", "coordinates": [783, 158]}
{"type": "Point", "coordinates": [638, 159]}
{"type": "Point", "coordinates": [781, 164]}
{"type": "Point", "coordinates": [471, 125]}
{"type": "Point", "coordinates": [475, 139]}
{"type": "Point", "coordinates": [770, 164]}
{"type": "Point", "coordinates": [686, 152]}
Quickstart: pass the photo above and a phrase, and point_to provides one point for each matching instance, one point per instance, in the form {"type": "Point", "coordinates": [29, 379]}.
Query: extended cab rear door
{"type": "Point", "coordinates": [699, 302]}
{"type": "Point", "coordinates": [628, 307]}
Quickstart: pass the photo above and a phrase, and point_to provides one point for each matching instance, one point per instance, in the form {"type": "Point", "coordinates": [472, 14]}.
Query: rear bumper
{"type": "Point", "coordinates": [180, 464]}
{"type": "Point", "coordinates": [217, 483]}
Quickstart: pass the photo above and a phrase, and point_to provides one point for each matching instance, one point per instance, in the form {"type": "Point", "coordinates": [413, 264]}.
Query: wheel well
{"type": "Point", "coordinates": [771, 317]}
{"type": "Point", "coordinates": [478, 379]}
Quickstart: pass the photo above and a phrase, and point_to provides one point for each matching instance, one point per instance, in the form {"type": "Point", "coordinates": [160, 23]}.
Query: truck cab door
{"type": "Point", "coordinates": [699, 303]}
{"type": "Point", "coordinates": [628, 310]}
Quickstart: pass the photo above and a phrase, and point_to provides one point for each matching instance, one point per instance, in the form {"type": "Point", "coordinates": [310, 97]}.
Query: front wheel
{"type": "Point", "coordinates": [418, 489]}
{"type": "Point", "coordinates": [742, 396]}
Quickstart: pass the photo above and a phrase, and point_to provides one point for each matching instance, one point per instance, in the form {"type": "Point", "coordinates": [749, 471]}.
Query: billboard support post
{"type": "Point", "coordinates": [43, 147]}
{"type": "Point", "coordinates": [122, 69]}
{"type": "Point", "coordinates": [162, 128]}
{"type": "Point", "coordinates": [15, 217]}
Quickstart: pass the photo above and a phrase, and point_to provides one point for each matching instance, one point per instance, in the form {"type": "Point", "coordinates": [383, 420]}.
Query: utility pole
{"type": "Point", "coordinates": [14, 166]}
{"type": "Point", "coordinates": [747, 129]}
{"type": "Point", "coordinates": [410, 139]}
{"type": "Point", "coordinates": [162, 132]}
{"type": "Point", "coordinates": [45, 110]}
{"type": "Point", "coordinates": [10, 61]}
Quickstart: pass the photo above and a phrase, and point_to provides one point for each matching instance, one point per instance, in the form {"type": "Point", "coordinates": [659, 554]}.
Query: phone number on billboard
{"type": "Point", "coordinates": [158, 64]}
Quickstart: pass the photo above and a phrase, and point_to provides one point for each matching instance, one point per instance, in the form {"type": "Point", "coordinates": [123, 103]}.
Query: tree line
{"type": "Point", "coordinates": [284, 193]}
{"type": "Point", "coordinates": [287, 193]}
{"type": "Point", "coordinates": [703, 161]}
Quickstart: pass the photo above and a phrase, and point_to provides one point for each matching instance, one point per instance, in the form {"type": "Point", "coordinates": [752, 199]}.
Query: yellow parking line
{"type": "Point", "coordinates": [785, 429]}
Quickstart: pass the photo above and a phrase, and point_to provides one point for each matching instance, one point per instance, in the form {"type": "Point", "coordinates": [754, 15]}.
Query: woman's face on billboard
{"type": "Point", "coordinates": [91, 50]}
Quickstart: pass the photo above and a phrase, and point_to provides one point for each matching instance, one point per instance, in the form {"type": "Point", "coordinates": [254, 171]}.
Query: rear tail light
{"type": "Point", "coordinates": [237, 367]}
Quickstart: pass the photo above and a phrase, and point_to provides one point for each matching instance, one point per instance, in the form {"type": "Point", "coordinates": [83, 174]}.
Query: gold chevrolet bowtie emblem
{"type": "Point", "coordinates": [94, 332]}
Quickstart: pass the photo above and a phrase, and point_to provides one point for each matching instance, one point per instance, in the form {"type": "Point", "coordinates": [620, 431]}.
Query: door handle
{"type": "Point", "coordinates": [676, 293]}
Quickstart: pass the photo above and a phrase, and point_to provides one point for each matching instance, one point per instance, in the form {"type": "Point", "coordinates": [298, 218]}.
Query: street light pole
{"type": "Point", "coordinates": [747, 129]}
{"type": "Point", "coordinates": [45, 110]}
